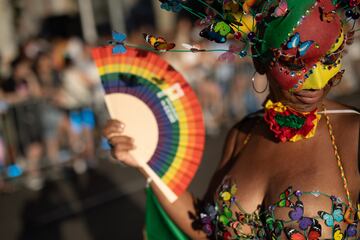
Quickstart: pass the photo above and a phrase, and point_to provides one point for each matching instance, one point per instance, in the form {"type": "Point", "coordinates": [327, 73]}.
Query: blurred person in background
{"type": "Point", "coordinates": [76, 99]}
{"type": "Point", "coordinates": [22, 90]}
{"type": "Point", "coordinates": [210, 98]}
{"type": "Point", "coordinates": [4, 186]}
{"type": "Point", "coordinates": [241, 99]}
{"type": "Point", "coordinates": [51, 113]}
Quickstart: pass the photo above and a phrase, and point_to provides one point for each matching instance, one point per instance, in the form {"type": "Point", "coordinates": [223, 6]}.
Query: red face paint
{"type": "Point", "coordinates": [322, 27]}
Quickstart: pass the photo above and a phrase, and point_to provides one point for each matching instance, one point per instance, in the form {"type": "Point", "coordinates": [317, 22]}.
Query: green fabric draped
{"type": "Point", "coordinates": [159, 226]}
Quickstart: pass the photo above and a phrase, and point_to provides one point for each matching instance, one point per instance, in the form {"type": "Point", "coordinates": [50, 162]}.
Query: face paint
{"type": "Point", "coordinates": [297, 64]}
{"type": "Point", "coordinates": [327, 68]}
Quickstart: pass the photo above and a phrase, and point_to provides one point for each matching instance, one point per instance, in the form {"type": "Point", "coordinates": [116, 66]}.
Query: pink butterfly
{"type": "Point", "coordinates": [280, 10]}
{"type": "Point", "coordinates": [230, 55]}
{"type": "Point", "coordinates": [210, 16]}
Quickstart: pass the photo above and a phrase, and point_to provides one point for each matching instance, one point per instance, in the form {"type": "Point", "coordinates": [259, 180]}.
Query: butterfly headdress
{"type": "Point", "coordinates": [251, 23]}
{"type": "Point", "coordinates": [269, 31]}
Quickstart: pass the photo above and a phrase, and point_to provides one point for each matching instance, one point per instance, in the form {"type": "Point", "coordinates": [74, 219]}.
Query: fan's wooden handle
{"type": "Point", "coordinates": [170, 195]}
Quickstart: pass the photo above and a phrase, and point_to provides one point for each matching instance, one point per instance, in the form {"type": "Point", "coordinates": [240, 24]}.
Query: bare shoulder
{"type": "Point", "coordinates": [346, 121]}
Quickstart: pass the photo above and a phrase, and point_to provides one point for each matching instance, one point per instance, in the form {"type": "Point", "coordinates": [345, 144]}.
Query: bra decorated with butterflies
{"type": "Point", "coordinates": [226, 219]}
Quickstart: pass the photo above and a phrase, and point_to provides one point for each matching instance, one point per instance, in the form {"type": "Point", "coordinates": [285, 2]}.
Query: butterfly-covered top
{"type": "Point", "coordinates": [226, 219]}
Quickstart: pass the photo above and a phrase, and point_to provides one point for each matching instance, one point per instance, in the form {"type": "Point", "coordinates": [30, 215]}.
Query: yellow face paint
{"type": "Point", "coordinates": [321, 74]}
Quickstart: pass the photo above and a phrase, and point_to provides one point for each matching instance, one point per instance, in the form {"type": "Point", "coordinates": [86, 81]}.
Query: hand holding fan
{"type": "Point", "coordinates": [160, 111]}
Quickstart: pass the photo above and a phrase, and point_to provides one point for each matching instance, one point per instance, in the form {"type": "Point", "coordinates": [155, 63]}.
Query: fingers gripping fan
{"type": "Point", "coordinates": [160, 111]}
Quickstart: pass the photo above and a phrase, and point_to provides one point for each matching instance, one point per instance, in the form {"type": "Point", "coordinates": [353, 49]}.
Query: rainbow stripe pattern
{"type": "Point", "coordinates": [174, 104]}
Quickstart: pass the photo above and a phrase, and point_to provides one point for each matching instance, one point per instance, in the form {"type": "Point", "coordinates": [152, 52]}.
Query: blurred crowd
{"type": "Point", "coordinates": [52, 107]}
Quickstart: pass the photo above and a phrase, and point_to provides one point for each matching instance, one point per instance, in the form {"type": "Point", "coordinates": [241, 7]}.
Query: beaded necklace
{"type": "Point", "coordinates": [338, 159]}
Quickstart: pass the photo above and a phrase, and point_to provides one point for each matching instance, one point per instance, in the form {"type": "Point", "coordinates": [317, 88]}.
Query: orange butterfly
{"type": "Point", "coordinates": [158, 43]}
{"type": "Point", "coordinates": [247, 5]}
{"type": "Point", "coordinates": [326, 16]}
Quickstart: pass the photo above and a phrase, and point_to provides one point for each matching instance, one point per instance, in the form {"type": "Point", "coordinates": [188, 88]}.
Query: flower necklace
{"type": "Point", "coordinates": [288, 124]}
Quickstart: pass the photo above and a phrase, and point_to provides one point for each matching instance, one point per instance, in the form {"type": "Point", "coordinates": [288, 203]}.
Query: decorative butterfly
{"type": "Point", "coordinates": [171, 5]}
{"type": "Point", "coordinates": [118, 42]}
{"type": "Point", "coordinates": [231, 6]}
{"type": "Point", "coordinates": [226, 217]}
{"type": "Point", "coordinates": [349, 39]}
{"type": "Point", "coordinates": [210, 16]}
{"type": "Point", "coordinates": [285, 198]}
{"type": "Point", "coordinates": [207, 225]}
{"type": "Point", "coordinates": [222, 28]}
{"type": "Point", "coordinates": [230, 55]}
{"type": "Point", "coordinates": [193, 48]}
{"type": "Point", "coordinates": [336, 216]}
{"type": "Point", "coordinates": [302, 47]}
{"type": "Point", "coordinates": [338, 235]}
{"type": "Point", "coordinates": [326, 16]}
{"type": "Point", "coordinates": [354, 3]}
{"type": "Point", "coordinates": [158, 43]}
{"type": "Point", "coordinates": [128, 80]}
{"type": "Point", "coordinates": [274, 227]}
{"type": "Point", "coordinates": [349, 215]}
{"type": "Point", "coordinates": [158, 81]}
{"type": "Point", "coordinates": [298, 215]}
{"type": "Point", "coordinates": [247, 5]}
{"type": "Point", "coordinates": [313, 234]}
{"type": "Point", "coordinates": [351, 230]}
{"type": "Point", "coordinates": [209, 34]}
{"type": "Point", "coordinates": [281, 9]}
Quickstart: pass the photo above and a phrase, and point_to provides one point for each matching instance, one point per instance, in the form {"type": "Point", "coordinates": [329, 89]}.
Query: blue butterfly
{"type": "Point", "coordinates": [302, 47]}
{"type": "Point", "coordinates": [336, 215]}
{"type": "Point", "coordinates": [171, 5]}
{"type": "Point", "coordinates": [211, 35]}
{"type": "Point", "coordinates": [118, 42]}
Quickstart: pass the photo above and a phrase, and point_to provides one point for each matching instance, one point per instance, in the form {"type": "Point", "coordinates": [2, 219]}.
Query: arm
{"type": "Point", "coordinates": [184, 207]}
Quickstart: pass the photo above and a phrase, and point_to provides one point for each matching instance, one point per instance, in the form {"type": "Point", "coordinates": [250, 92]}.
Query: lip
{"type": "Point", "coordinates": [309, 96]}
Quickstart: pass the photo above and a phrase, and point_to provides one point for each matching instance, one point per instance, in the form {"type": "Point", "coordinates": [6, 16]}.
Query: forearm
{"type": "Point", "coordinates": [180, 211]}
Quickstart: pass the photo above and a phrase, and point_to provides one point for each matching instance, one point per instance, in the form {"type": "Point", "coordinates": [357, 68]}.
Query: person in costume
{"type": "Point", "coordinates": [290, 171]}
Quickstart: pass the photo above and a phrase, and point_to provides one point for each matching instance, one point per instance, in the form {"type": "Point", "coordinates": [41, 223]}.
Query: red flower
{"type": "Point", "coordinates": [288, 124]}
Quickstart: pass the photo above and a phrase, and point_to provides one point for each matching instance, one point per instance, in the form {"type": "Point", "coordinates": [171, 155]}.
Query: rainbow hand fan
{"type": "Point", "coordinates": [161, 112]}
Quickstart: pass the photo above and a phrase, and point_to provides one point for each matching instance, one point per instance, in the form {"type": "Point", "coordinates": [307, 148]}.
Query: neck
{"type": "Point", "coordinates": [304, 101]}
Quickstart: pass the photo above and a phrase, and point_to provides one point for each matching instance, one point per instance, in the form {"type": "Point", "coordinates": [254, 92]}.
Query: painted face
{"type": "Point", "coordinates": [312, 54]}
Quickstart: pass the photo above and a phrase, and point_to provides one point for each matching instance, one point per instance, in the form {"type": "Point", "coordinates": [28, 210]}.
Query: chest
{"type": "Point", "coordinates": [265, 169]}
{"type": "Point", "coordinates": [270, 167]}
